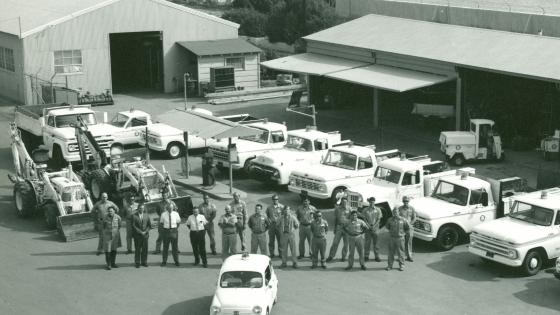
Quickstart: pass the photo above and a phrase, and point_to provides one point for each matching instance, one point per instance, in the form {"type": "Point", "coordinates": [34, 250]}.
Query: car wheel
{"type": "Point", "coordinates": [174, 150]}
{"type": "Point", "coordinates": [447, 237]}
{"type": "Point", "coordinates": [532, 263]}
{"type": "Point", "coordinates": [51, 213]}
{"type": "Point", "coordinates": [24, 199]}
{"type": "Point", "coordinates": [458, 160]}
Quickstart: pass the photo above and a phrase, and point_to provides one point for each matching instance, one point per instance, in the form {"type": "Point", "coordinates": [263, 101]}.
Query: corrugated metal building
{"type": "Point", "coordinates": [99, 45]}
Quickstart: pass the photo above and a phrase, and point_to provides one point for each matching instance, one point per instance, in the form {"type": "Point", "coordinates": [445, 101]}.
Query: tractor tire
{"type": "Point", "coordinates": [447, 238]}
{"type": "Point", "coordinates": [99, 183]}
{"type": "Point", "coordinates": [175, 150]}
{"type": "Point", "coordinates": [51, 214]}
{"type": "Point", "coordinates": [25, 200]}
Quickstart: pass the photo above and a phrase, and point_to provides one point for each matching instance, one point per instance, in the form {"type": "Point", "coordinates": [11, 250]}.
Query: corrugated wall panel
{"type": "Point", "coordinates": [329, 49]}
{"type": "Point", "coordinates": [12, 83]}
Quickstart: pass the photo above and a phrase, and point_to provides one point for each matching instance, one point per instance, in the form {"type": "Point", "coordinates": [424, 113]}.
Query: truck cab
{"type": "Point", "coordinates": [527, 237]}
{"type": "Point", "coordinates": [303, 147]}
{"type": "Point", "coordinates": [129, 124]}
{"type": "Point", "coordinates": [481, 142]}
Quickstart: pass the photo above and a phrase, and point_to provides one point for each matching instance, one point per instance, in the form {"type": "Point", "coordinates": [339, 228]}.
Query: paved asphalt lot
{"type": "Point", "coordinates": [41, 275]}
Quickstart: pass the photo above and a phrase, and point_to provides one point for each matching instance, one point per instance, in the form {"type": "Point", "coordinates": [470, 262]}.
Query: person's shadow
{"type": "Point", "coordinates": [199, 305]}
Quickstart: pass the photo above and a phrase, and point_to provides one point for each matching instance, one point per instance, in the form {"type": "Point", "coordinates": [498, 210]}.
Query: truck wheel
{"type": "Point", "coordinates": [24, 199]}
{"type": "Point", "coordinates": [51, 213]}
{"type": "Point", "coordinates": [335, 192]}
{"type": "Point", "coordinates": [174, 150]}
{"type": "Point", "coordinates": [532, 263]}
{"type": "Point", "coordinates": [447, 238]}
{"type": "Point", "coordinates": [458, 160]}
{"type": "Point", "coordinates": [246, 166]}
{"type": "Point", "coordinates": [99, 182]}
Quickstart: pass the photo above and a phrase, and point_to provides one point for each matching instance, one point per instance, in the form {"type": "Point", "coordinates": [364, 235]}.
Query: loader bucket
{"type": "Point", "coordinates": [77, 226]}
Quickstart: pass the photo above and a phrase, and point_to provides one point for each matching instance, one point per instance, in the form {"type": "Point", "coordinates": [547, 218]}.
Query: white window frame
{"type": "Point", "coordinates": [7, 61]}
{"type": "Point", "coordinates": [70, 61]}
{"type": "Point", "coordinates": [236, 65]}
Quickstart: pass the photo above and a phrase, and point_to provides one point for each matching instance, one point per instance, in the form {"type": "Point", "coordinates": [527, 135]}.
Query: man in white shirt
{"type": "Point", "coordinates": [196, 222]}
{"type": "Point", "coordinates": [169, 222]}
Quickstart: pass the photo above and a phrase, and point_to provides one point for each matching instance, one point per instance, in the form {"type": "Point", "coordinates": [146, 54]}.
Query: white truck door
{"type": "Point", "coordinates": [365, 169]}
{"type": "Point", "coordinates": [479, 209]}
{"type": "Point", "coordinates": [48, 135]}
{"type": "Point", "coordinates": [132, 128]}
{"type": "Point", "coordinates": [411, 185]}
{"type": "Point", "coordinates": [277, 139]}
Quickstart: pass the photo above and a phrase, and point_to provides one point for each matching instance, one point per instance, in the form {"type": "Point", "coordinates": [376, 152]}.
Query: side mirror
{"type": "Point", "coordinates": [270, 286]}
{"type": "Point", "coordinates": [484, 199]}
{"type": "Point", "coordinates": [42, 121]}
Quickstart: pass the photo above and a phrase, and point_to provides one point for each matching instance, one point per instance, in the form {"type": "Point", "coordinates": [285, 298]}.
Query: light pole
{"type": "Point", "coordinates": [186, 77]}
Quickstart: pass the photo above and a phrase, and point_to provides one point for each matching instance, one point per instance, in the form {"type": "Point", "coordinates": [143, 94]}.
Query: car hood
{"type": "Point", "coordinates": [163, 130]}
{"type": "Point", "coordinates": [285, 156]}
{"type": "Point", "coordinates": [97, 130]}
{"type": "Point", "coordinates": [381, 192]}
{"type": "Point", "coordinates": [512, 230]}
{"type": "Point", "coordinates": [323, 172]}
{"type": "Point", "coordinates": [239, 297]}
{"type": "Point", "coordinates": [432, 208]}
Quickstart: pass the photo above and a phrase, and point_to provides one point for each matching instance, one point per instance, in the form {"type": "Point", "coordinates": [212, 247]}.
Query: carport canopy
{"type": "Point", "coordinates": [310, 63]}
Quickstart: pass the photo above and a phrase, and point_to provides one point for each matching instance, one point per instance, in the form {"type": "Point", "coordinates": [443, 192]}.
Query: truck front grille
{"type": "Point", "coordinates": [220, 154]}
{"type": "Point", "coordinates": [489, 244]}
{"type": "Point", "coordinates": [354, 199]}
{"type": "Point", "coordinates": [306, 183]}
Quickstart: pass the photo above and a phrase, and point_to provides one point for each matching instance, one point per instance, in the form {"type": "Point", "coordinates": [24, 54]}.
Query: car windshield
{"type": "Point", "coordinates": [262, 138]}
{"type": "Point", "coordinates": [388, 175]}
{"type": "Point", "coordinates": [71, 120]}
{"type": "Point", "coordinates": [299, 143]}
{"type": "Point", "coordinates": [531, 213]}
{"type": "Point", "coordinates": [341, 159]}
{"type": "Point", "coordinates": [241, 279]}
{"type": "Point", "coordinates": [119, 120]}
{"type": "Point", "coordinates": [452, 193]}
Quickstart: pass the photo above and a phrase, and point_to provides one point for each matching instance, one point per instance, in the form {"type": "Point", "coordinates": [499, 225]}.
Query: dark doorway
{"type": "Point", "coordinates": [136, 61]}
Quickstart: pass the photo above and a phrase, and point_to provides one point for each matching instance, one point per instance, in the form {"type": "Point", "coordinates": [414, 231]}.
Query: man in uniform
{"type": "Point", "coordinates": [319, 228]}
{"type": "Point", "coordinates": [398, 227]}
{"type": "Point", "coordinates": [239, 209]}
{"type": "Point", "coordinates": [196, 222]}
{"type": "Point", "coordinates": [355, 229]}
{"type": "Point", "coordinates": [341, 216]}
{"type": "Point", "coordinates": [209, 210]}
{"type": "Point", "coordinates": [128, 210]}
{"type": "Point", "coordinates": [141, 225]}
{"type": "Point", "coordinates": [288, 224]}
{"type": "Point", "coordinates": [258, 224]}
{"type": "Point", "coordinates": [165, 203]}
{"type": "Point", "coordinates": [273, 213]}
{"type": "Point", "coordinates": [99, 213]}
{"type": "Point", "coordinates": [372, 216]}
{"type": "Point", "coordinates": [111, 225]}
{"type": "Point", "coordinates": [169, 222]}
{"type": "Point", "coordinates": [304, 214]}
{"type": "Point", "coordinates": [408, 213]}
{"type": "Point", "coordinates": [228, 224]}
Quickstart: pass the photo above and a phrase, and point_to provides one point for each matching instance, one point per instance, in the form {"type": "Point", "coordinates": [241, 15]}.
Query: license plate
{"type": "Point", "coordinates": [489, 254]}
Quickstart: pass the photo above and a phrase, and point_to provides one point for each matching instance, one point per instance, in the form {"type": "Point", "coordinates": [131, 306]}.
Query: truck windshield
{"type": "Point", "coordinates": [71, 120]}
{"type": "Point", "coordinates": [119, 120]}
{"type": "Point", "coordinates": [388, 175]}
{"type": "Point", "coordinates": [341, 159]}
{"type": "Point", "coordinates": [241, 279]}
{"type": "Point", "coordinates": [451, 193]}
{"type": "Point", "coordinates": [262, 138]}
{"type": "Point", "coordinates": [299, 143]}
{"type": "Point", "coordinates": [531, 213]}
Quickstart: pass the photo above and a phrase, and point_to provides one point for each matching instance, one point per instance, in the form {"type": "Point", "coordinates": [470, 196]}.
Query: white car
{"type": "Point", "coordinates": [247, 285]}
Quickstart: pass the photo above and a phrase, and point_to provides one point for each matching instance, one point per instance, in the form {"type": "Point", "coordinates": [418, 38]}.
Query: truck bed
{"type": "Point", "coordinates": [35, 111]}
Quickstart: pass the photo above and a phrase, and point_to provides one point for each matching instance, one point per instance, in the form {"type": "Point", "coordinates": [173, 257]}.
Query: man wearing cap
{"type": "Point", "coordinates": [372, 216]}
{"type": "Point", "coordinates": [128, 210]}
{"type": "Point", "coordinates": [208, 209]}
{"type": "Point", "coordinates": [258, 224]}
{"type": "Point", "coordinates": [228, 224]}
{"type": "Point", "coordinates": [273, 213]}
{"type": "Point", "coordinates": [408, 213]}
{"type": "Point", "coordinates": [341, 217]}
{"type": "Point", "coordinates": [304, 215]}
{"type": "Point", "coordinates": [398, 227]}
{"type": "Point", "coordinates": [319, 229]}
{"type": "Point", "coordinates": [355, 229]}
{"type": "Point", "coordinates": [239, 209]}
{"type": "Point", "coordinates": [288, 224]}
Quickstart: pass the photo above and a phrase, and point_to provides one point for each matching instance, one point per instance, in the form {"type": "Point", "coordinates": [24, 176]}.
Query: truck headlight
{"type": "Point", "coordinates": [276, 174]}
{"type": "Point", "coordinates": [512, 253]}
{"type": "Point", "coordinates": [292, 181]}
{"type": "Point", "coordinates": [322, 187]}
{"type": "Point", "coordinates": [215, 309]}
{"type": "Point", "coordinates": [425, 226]}
{"type": "Point", "coordinates": [257, 309]}
{"type": "Point", "coordinates": [73, 147]}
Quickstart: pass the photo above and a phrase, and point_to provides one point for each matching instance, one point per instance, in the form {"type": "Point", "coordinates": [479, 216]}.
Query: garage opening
{"type": "Point", "coordinates": [136, 61]}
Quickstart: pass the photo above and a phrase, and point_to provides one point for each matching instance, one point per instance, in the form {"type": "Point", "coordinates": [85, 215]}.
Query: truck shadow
{"type": "Point", "coordinates": [195, 306]}
{"type": "Point", "coordinates": [542, 292]}
{"type": "Point", "coordinates": [34, 224]}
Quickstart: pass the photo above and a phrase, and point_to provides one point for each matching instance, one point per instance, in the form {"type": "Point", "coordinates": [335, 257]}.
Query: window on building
{"type": "Point", "coordinates": [236, 62]}
{"type": "Point", "coordinates": [7, 59]}
{"type": "Point", "coordinates": [68, 61]}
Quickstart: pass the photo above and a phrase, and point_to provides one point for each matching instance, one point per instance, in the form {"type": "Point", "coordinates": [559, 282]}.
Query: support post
{"type": "Point", "coordinates": [230, 167]}
{"type": "Point", "coordinates": [185, 158]}
{"type": "Point", "coordinates": [458, 97]}
{"type": "Point", "coordinates": [147, 147]}
{"type": "Point", "coordinates": [375, 108]}
{"type": "Point", "coordinates": [185, 88]}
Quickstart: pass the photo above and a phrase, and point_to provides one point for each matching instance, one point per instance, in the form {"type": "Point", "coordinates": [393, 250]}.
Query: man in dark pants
{"type": "Point", "coordinates": [273, 213]}
{"type": "Point", "coordinates": [319, 229]}
{"type": "Point", "coordinates": [141, 226]}
{"type": "Point", "coordinates": [99, 212]}
{"type": "Point", "coordinates": [208, 209]}
{"type": "Point", "coordinates": [372, 215]}
{"type": "Point", "coordinates": [128, 210]}
{"type": "Point", "coordinates": [169, 222]}
{"type": "Point", "coordinates": [398, 227]}
{"type": "Point", "coordinates": [196, 222]}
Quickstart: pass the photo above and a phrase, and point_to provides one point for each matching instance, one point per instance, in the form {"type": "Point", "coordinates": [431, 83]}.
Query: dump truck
{"type": "Point", "coordinates": [60, 196]}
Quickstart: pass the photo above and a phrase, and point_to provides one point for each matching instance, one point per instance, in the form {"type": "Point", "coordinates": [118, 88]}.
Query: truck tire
{"type": "Point", "coordinates": [174, 150]}
{"type": "Point", "coordinates": [458, 160]}
{"type": "Point", "coordinates": [25, 200]}
{"type": "Point", "coordinates": [335, 192]}
{"type": "Point", "coordinates": [447, 237]}
{"type": "Point", "coordinates": [99, 182]}
{"type": "Point", "coordinates": [247, 165]}
{"type": "Point", "coordinates": [532, 263]}
{"type": "Point", "coordinates": [50, 212]}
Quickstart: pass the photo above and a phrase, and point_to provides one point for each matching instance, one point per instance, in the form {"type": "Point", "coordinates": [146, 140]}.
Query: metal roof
{"type": "Point", "coordinates": [220, 47]}
{"type": "Point", "coordinates": [504, 52]}
{"type": "Point", "coordinates": [36, 15]}
{"type": "Point", "coordinates": [312, 63]}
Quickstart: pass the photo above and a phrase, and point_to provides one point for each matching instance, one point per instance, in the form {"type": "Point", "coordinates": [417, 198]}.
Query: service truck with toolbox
{"type": "Point", "coordinates": [527, 237]}
{"type": "Point", "coordinates": [304, 147]}
{"type": "Point", "coordinates": [458, 203]}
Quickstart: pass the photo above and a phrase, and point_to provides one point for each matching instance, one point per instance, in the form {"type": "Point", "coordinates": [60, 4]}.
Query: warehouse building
{"type": "Point", "coordinates": [104, 46]}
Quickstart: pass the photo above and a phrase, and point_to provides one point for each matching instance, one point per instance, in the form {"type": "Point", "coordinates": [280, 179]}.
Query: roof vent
{"type": "Point", "coordinates": [544, 194]}
{"type": "Point", "coordinates": [265, 120]}
{"type": "Point", "coordinates": [131, 109]}
{"type": "Point", "coordinates": [245, 255]}
{"type": "Point", "coordinates": [350, 144]}
{"type": "Point", "coordinates": [403, 156]}
{"type": "Point", "coordinates": [464, 175]}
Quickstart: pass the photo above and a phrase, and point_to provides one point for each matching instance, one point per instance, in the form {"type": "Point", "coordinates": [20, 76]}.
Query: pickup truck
{"type": "Point", "coordinates": [398, 177]}
{"type": "Point", "coordinates": [127, 126]}
{"type": "Point", "coordinates": [343, 166]}
{"type": "Point", "coordinates": [52, 126]}
{"type": "Point", "coordinates": [527, 237]}
{"type": "Point", "coordinates": [457, 204]}
{"type": "Point", "coordinates": [273, 137]}
{"type": "Point", "coordinates": [304, 147]}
